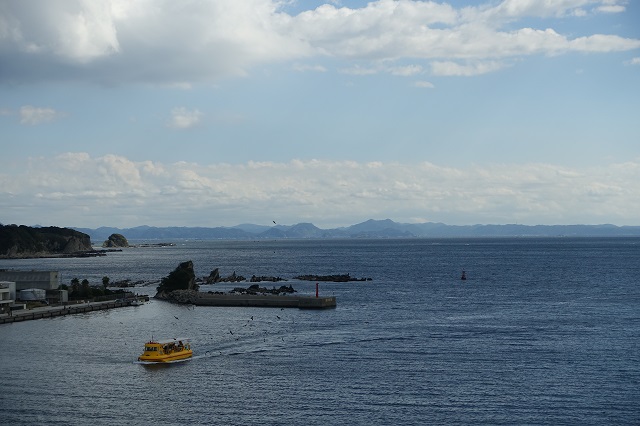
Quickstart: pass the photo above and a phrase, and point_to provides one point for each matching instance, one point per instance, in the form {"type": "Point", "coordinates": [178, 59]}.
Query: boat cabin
{"type": "Point", "coordinates": [166, 350]}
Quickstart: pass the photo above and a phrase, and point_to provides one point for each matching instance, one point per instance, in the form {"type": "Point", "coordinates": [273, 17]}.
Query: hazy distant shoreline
{"type": "Point", "coordinates": [368, 229]}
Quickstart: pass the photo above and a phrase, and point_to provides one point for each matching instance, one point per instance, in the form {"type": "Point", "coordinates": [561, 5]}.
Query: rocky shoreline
{"type": "Point", "coordinates": [215, 277]}
{"type": "Point", "coordinates": [47, 255]}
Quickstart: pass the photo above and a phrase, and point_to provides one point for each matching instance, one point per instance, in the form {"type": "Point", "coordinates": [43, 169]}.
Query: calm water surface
{"type": "Point", "coordinates": [544, 331]}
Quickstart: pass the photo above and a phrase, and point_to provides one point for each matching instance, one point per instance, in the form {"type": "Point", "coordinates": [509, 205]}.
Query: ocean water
{"type": "Point", "coordinates": [543, 332]}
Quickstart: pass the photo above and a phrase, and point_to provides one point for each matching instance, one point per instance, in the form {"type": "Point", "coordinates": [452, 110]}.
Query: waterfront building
{"type": "Point", "coordinates": [45, 280]}
{"type": "Point", "coordinates": [7, 296]}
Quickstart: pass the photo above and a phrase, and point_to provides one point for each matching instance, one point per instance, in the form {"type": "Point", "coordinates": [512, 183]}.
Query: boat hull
{"type": "Point", "coordinates": [166, 358]}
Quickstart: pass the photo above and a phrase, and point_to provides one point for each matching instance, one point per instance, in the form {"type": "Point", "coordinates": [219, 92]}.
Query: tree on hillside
{"type": "Point", "coordinates": [85, 290]}
{"type": "Point", "coordinates": [75, 286]}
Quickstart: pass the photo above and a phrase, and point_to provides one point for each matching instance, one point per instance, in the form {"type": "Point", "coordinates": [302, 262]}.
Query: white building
{"type": "Point", "coordinates": [7, 295]}
{"type": "Point", "coordinates": [46, 280]}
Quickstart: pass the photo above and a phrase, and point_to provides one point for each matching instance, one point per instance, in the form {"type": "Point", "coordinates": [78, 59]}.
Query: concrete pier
{"type": "Point", "coordinates": [269, 301]}
{"type": "Point", "coordinates": [56, 311]}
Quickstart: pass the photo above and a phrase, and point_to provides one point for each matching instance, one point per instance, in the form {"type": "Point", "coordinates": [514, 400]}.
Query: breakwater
{"type": "Point", "coordinates": [258, 300]}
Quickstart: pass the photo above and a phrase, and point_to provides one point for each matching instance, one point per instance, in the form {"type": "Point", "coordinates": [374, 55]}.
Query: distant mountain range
{"type": "Point", "coordinates": [369, 229]}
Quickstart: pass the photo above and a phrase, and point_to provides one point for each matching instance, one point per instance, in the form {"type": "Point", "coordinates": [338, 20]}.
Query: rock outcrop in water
{"type": "Point", "coordinates": [116, 240]}
{"type": "Point", "coordinates": [343, 278]}
{"type": "Point", "coordinates": [27, 242]}
{"type": "Point", "coordinates": [255, 279]}
{"type": "Point", "coordinates": [214, 277]}
{"type": "Point", "coordinates": [180, 296]}
{"type": "Point", "coordinates": [256, 289]}
{"type": "Point", "coordinates": [181, 279]}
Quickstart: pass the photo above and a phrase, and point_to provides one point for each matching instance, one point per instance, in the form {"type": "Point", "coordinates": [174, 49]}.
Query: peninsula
{"type": "Point", "coordinates": [27, 242]}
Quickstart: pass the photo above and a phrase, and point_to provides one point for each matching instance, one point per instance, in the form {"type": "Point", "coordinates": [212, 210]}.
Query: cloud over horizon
{"type": "Point", "coordinates": [115, 191]}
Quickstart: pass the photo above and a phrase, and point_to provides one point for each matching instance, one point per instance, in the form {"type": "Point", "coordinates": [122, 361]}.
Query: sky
{"type": "Point", "coordinates": [222, 112]}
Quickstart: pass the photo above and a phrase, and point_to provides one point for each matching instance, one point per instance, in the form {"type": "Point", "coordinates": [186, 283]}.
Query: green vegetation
{"type": "Point", "coordinates": [83, 290]}
{"type": "Point", "coordinates": [17, 241]}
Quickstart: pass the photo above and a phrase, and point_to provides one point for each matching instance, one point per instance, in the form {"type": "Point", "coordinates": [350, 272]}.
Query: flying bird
{"type": "Point", "coordinates": [176, 317]}
{"type": "Point", "coordinates": [274, 222]}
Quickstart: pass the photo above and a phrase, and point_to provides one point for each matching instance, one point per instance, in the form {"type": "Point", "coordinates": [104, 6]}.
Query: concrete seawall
{"type": "Point", "coordinates": [302, 302]}
{"type": "Point", "coordinates": [56, 311]}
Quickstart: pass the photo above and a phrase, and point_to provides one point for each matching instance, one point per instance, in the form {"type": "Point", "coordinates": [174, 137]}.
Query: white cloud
{"type": "Point", "coordinates": [612, 9]}
{"type": "Point", "coordinates": [119, 42]}
{"type": "Point", "coordinates": [359, 70]}
{"type": "Point", "coordinates": [406, 71]}
{"type": "Point", "coordinates": [424, 84]}
{"type": "Point", "coordinates": [634, 61]}
{"type": "Point", "coordinates": [600, 43]}
{"type": "Point", "coordinates": [32, 116]}
{"type": "Point", "coordinates": [182, 118]}
{"type": "Point", "coordinates": [579, 12]}
{"type": "Point", "coordinates": [548, 9]}
{"type": "Point", "coordinates": [304, 67]}
{"type": "Point", "coordinates": [468, 69]}
{"type": "Point", "coordinates": [113, 190]}
{"type": "Point", "coordinates": [77, 30]}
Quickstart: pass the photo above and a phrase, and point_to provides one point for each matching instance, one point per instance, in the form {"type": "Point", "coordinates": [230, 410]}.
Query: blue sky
{"type": "Point", "coordinates": [216, 113]}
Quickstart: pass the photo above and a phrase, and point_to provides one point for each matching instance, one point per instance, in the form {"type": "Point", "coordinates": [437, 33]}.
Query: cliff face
{"type": "Point", "coordinates": [24, 241]}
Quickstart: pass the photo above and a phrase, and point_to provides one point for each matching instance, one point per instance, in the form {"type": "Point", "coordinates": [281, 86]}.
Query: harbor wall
{"type": "Point", "coordinates": [273, 301]}
{"type": "Point", "coordinates": [56, 311]}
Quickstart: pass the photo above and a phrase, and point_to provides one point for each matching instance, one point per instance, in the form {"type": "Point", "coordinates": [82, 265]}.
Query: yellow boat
{"type": "Point", "coordinates": [166, 350]}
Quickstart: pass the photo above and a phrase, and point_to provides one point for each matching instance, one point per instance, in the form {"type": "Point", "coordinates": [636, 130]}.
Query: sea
{"type": "Point", "coordinates": [544, 331]}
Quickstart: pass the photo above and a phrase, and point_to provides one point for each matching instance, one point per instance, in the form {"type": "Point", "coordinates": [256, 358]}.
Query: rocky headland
{"type": "Point", "coordinates": [18, 242]}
